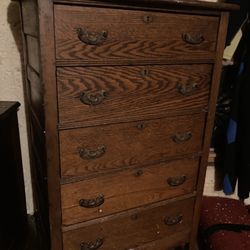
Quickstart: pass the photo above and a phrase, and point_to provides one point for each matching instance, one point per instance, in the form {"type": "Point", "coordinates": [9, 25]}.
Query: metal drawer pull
{"type": "Point", "coordinates": [92, 38]}
{"type": "Point", "coordinates": [86, 153]}
{"type": "Point", "coordinates": [170, 221]}
{"type": "Point", "coordinates": [93, 98]}
{"type": "Point", "coordinates": [196, 39]}
{"type": "Point", "coordinates": [179, 138]}
{"type": "Point", "coordinates": [92, 245]}
{"type": "Point", "coordinates": [187, 89]}
{"type": "Point", "coordinates": [91, 203]}
{"type": "Point", "coordinates": [176, 181]}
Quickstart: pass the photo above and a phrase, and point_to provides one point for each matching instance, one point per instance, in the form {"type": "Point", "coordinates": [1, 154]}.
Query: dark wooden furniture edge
{"type": "Point", "coordinates": [210, 121]}
{"type": "Point", "coordinates": [167, 3]}
{"type": "Point", "coordinates": [8, 107]}
{"type": "Point", "coordinates": [48, 77]}
{"type": "Point", "coordinates": [163, 3]}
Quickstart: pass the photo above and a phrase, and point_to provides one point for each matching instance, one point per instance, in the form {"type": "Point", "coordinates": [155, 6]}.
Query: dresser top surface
{"type": "Point", "coordinates": [220, 5]}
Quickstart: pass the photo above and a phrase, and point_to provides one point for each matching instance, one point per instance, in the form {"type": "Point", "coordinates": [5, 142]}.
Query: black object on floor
{"type": "Point", "coordinates": [13, 226]}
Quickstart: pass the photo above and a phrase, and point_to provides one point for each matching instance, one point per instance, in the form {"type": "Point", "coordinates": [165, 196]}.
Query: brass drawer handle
{"type": "Point", "coordinates": [86, 153]}
{"type": "Point", "coordinates": [179, 138]}
{"type": "Point", "coordinates": [176, 181]}
{"type": "Point", "coordinates": [91, 203]}
{"type": "Point", "coordinates": [93, 98]}
{"type": "Point", "coordinates": [92, 38]}
{"type": "Point", "coordinates": [170, 221]}
{"type": "Point", "coordinates": [196, 39]}
{"type": "Point", "coordinates": [92, 245]}
{"type": "Point", "coordinates": [187, 89]}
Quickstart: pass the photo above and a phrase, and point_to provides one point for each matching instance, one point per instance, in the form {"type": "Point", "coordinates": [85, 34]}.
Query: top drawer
{"type": "Point", "coordinates": [101, 34]}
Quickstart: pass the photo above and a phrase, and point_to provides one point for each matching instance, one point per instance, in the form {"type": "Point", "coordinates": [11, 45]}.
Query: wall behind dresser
{"type": "Point", "coordinates": [11, 82]}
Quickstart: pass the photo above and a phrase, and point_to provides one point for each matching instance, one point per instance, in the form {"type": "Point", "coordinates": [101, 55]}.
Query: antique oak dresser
{"type": "Point", "coordinates": [121, 98]}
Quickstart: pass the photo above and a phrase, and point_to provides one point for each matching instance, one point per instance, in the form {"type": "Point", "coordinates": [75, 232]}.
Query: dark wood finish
{"type": "Point", "coordinates": [210, 120]}
{"type": "Point", "coordinates": [129, 144]}
{"type": "Point", "coordinates": [146, 185]}
{"type": "Point", "coordinates": [48, 78]}
{"type": "Point", "coordinates": [134, 229]}
{"type": "Point", "coordinates": [137, 92]}
{"type": "Point", "coordinates": [165, 4]}
{"type": "Point", "coordinates": [105, 103]}
{"type": "Point", "coordinates": [13, 229]}
{"type": "Point", "coordinates": [129, 36]}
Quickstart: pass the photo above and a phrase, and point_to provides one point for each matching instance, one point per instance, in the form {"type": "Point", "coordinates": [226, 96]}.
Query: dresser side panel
{"type": "Point", "coordinates": [48, 77]}
{"type": "Point", "coordinates": [210, 121]}
{"type": "Point", "coordinates": [33, 89]}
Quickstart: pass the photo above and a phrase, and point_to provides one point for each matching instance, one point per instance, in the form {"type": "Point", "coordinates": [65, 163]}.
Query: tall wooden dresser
{"type": "Point", "coordinates": [121, 98]}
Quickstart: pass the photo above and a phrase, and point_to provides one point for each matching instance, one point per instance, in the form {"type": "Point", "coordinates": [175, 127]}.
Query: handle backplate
{"type": "Point", "coordinates": [92, 245]}
{"type": "Point", "coordinates": [91, 203]}
{"type": "Point", "coordinates": [89, 154]}
{"type": "Point", "coordinates": [92, 38]}
{"type": "Point", "coordinates": [170, 221]}
{"type": "Point", "coordinates": [182, 137]}
{"type": "Point", "coordinates": [93, 98]}
{"type": "Point", "coordinates": [176, 181]}
{"type": "Point", "coordinates": [196, 39]}
{"type": "Point", "coordinates": [187, 89]}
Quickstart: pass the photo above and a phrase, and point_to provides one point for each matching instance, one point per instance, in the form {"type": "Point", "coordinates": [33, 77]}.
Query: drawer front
{"type": "Point", "coordinates": [133, 229]}
{"type": "Point", "coordinates": [103, 34]}
{"type": "Point", "coordinates": [109, 194]}
{"type": "Point", "coordinates": [100, 149]}
{"type": "Point", "coordinates": [113, 94]}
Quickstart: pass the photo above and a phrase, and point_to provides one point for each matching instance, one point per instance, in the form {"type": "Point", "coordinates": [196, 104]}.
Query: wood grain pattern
{"type": "Point", "coordinates": [177, 241]}
{"type": "Point", "coordinates": [146, 185]}
{"type": "Point", "coordinates": [136, 121]}
{"type": "Point", "coordinates": [130, 232]}
{"type": "Point", "coordinates": [128, 144]}
{"type": "Point", "coordinates": [131, 93]}
{"type": "Point", "coordinates": [129, 37]}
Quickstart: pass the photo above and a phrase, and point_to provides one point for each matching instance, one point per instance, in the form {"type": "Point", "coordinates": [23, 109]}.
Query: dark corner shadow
{"type": "Point", "coordinates": [14, 20]}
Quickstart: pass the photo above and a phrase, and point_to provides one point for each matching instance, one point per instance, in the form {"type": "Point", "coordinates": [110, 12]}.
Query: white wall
{"type": "Point", "coordinates": [11, 83]}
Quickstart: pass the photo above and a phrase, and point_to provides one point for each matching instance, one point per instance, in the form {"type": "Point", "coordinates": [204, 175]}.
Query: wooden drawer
{"type": "Point", "coordinates": [133, 229]}
{"type": "Point", "coordinates": [112, 193]}
{"type": "Point", "coordinates": [112, 94]}
{"type": "Point", "coordinates": [101, 149]}
{"type": "Point", "coordinates": [104, 34]}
